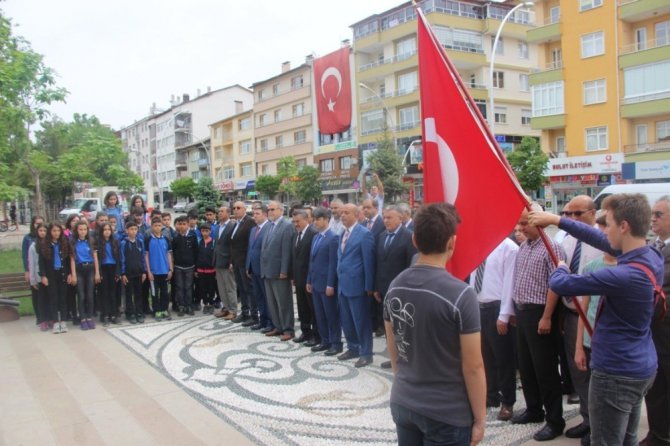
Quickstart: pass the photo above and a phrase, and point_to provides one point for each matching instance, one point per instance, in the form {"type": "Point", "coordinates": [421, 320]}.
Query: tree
{"type": "Point", "coordinates": [183, 187]}
{"type": "Point", "coordinates": [206, 195]}
{"type": "Point", "coordinates": [286, 173]}
{"type": "Point", "coordinates": [308, 187]}
{"type": "Point", "coordinates": [529, 163]}
{"type": "Point", "coordinates": [268, 185]}
{"type": "Point", "coordinates": [388, 164]}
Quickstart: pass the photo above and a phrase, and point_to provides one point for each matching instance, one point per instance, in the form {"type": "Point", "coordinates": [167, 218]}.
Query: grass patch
{"type": "Point", "coordinates": [10, 261]}
{"type": "Point", "coordinates": [26, 306]}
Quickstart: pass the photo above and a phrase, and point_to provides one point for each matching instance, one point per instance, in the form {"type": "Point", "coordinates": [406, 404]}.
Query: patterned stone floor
{"type": "Point", "coordinates": [279, 393]}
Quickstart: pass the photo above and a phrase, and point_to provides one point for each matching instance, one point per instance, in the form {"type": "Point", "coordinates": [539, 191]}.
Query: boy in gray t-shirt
{"type": "Point", "coordinates": [432, 328]}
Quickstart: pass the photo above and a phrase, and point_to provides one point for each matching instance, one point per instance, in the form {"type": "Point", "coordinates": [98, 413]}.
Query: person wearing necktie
{"type": "Point", "coordinates": [374, 222]}
{"type": "Point", "coordinates": [239, 244]}
{"type": "Point", "coordinates": [225, 279]}
{"type": "Point", "coordinates": [302, 244]}
{"type": "Point", "coordinates": [658, 397]}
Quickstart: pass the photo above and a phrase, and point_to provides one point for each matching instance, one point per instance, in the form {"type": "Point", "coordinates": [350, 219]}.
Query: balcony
{"type": "Point", "coordinates": [642, 53]}
{"type": "Point", "coordinates": [661, 146]}
{"type": "Point", "coordinates": [551, 72]}
{"type": "Point", "coordinates": [203, 163]}
{"type": "Point", "coordinates": [637, 10]}
{"type": "Point", "coordinates": [544, 34]}
{"type": "Point", "coordinates": [180, 161]}
{"type": "Point", "coordinates": [646, 105]}
{"type": "Point", "coordinates": [547, 122]}
{"type": "Point", "coordinates": [388, 60]}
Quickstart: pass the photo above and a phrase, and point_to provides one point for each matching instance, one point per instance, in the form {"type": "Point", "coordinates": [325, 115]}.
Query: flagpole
{"type": "Point", "coordinates": [493, 144]}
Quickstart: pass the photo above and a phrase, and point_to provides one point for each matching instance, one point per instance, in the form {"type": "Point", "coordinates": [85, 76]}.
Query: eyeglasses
{"type": "Point", "coordinates": [272, 209]}
{"type": "Point", "coordinates": [575, 213]}
{"type": "Point", "coordinates": [657, 214]}
{"type": "Point", "coordinates": [238, 207]}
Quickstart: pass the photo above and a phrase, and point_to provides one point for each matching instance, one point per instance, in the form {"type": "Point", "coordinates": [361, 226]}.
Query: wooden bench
{"type": "Point", "coordinates": [12, 286]}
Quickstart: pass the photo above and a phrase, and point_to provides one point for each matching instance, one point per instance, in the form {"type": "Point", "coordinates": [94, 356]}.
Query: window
{"type": "Point", "coordinates": [500, 49]}
{"type": "Point", "coordinates": [501, 115]}
{"type": "Point", "coordinates": [326, 165]}
{"type": "Point", "coordinates": [585, 5]}
{"type": "Point", "coordinates": [265, 169]}
{"type": "Point", "coordinates": [525, 116]}
{"type": "Point", "coordinates": [460, 39]}
{"type": "Point", "coordinates": [409, 117]}
{"type": "Point", "coordinates": [404, 49]}
{"type": "Point", "coordinates": [296, 82]}
{"type": "Point", "coordinates": [262, 120]}
{"type": "Point", "coordinates": [217, 132]}
{"type": "Point", "coordinates": [594, 92]}
{"type": "Point", "coordinates": [245, 124]}
{"type": "Point", "coordinates": [481, 105]}
{"type": "Point", "coordinates": [498, 79]}
{"type": "Point", "coordinates": [548, 99]}
{"type": "Point", "coordinates": [473, 81]}
{"type": "Point", "coordinates": [522, 49]}
{"type": "Point", "coordinates": [279, 141]}
{"type": "Point", "coordinates": [345, 163]}
{"type": "Point", "coordinates": [299, 137]}
{"type": "Point", "coordinates": [300, 163]}
{"type": "Point", "coordinates": [277, 115]}
{"type": "Point", "coordinates": [372, 121]}
{"type": "Point", "coordinates": [596, 139]}
{"type": "Point", "coordinates": [263, 145]}
{"type": "Point", "coordinates": [554, 14]}
{"type": "Point", "coordinates": [406, 83]}
{"type": "Point", "coordinates": [245, 170]}
{"type": "Point", "coordinates": [196, 175]}
{"type": "Point", "coordinates": [641, 134]}
{"type": "Point", "coordinates": [560, 144]}
{"type": "Point", "coordinates": [523, 82]}
{"type": "Point", "coordinates": [245, 147]}
{"type": "Point", "coordinates": [298, 110]}
{"type": "Point", "coordinates": [275, 89]}
{"type": "Point", "coordinates": [647, 82]}
{"type": "Point", "coordinates": [662, 131]}
{"type": "Point", "coordinates": [641, 39]}
{"type": "Point", "coordinates": [228, 173]}
{"type": "Point", "coordinates": [662, 32]}
{"type": "Point", "coordinates": [261, 95]}
{"type": "Point", "coordinates": [218, 154]}
{"type": "Point", "coordinates": [593, 44]}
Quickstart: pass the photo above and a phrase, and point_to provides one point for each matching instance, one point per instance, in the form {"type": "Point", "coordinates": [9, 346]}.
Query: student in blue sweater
{"type": "Point", "coordinates": [158, 262]}
{"type": "Point", "coordinates": [109, 259]}
{"type": "Point", "coordinates": [623, 359]}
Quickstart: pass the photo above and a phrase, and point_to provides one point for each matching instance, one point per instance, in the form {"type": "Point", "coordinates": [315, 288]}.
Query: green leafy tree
{"type": "Point", "coordinates": [388, 164]}
{"type": "Point", "coordinates": [286, 173]}
{"type": "Point", "coordinates": [268, 185]}
{"type": "Point", "coordinates": [206, 195]}
{"type": "Point", "coordinates": [183, 187]}
{"type": "Point", "coordinates": [308, 187]}
{"type": "Point", "coordinates": [529, 163]}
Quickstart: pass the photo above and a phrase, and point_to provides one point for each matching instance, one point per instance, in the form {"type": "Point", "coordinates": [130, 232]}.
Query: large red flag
{"type": "Point", "coordinates": [332, 83]}
{"type": "Point", "coordinates": [462, 162]}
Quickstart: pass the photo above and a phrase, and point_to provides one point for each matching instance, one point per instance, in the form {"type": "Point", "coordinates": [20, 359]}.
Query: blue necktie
{"type": "Point", "coordinates": [315, 245]}
{"type": "Point", "coordinates": [576, 256]}
{"type": "Point", "coordinates": [389, 239]}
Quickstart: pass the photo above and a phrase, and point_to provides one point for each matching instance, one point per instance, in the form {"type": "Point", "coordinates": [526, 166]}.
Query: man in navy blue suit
{"type": "Point", "coordinates": [373, 220]}
{"type": "Point", "coordinates": [253, 266]}
{"type": "Point", "coordinates": [355, 278]}
{"type": "Point", "coordinates": [322, 282]}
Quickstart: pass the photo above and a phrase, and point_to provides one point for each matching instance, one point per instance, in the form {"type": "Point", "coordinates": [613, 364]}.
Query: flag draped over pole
{"type": "Point", "coordinates": [463, 164]}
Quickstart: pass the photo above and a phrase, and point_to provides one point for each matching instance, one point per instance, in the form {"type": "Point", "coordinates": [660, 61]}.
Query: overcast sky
{"type": "Point", "coordinates": [118, 57]}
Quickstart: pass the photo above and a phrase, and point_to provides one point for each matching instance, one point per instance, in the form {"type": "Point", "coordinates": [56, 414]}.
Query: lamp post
{"type": "Point", "coordinates": [492, 118]}
{"type": "Point", "coordinates": [386, 112]}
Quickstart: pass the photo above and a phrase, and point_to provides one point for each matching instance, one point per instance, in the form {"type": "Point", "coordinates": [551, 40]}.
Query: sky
{"type": "Point", "coordinates": [116, 58]}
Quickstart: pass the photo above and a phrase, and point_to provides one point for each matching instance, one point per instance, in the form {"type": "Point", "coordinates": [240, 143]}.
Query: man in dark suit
{"type": "Point", "coordinates": [225, 279]}
{"type": "Point", "coordinates": [394, 252]}
{"type": "Point", "coordinates": [406, 216]}
{"type": "Point", "coordinates": [322, 282]}
{"type": "Point", "coordinates": [253, 267]}
{"type": "Point", "coordinates": [275, 263]}
{"type": "Point", "coordinates": [239, 243]}
{"type": "Point", "coordinates": [657, 399]}
{"type": "Point", "coordinates": [374, 222]}
{"type": "Point", "coordinates": [302, 245]}
{"type": "Point", "coordinates": [355, 278]}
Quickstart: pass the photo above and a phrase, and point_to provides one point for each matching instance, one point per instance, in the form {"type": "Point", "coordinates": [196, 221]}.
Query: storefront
{"type": "Point", "coordinates": [580, 175]}
{"type": "Point", "coordinates": [647, 171]}
{"type": "Point", "coordinates": [343, 188]}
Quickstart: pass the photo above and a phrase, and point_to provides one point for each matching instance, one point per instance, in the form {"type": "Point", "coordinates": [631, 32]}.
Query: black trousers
{"type": "Point", "coordinates": [207, 283]}
{"type": "Point", "coordinates": [107, 291]}
{"type": "Point", "coordinates": [161, 299]}
{"type": "Point", "coordinates": [34, 294]}
{"type": "Point", "coordinates": [43, 305]}
{"type": "Point", "coordinates": [56, 295]}
{"type": "Point", "coordinates": [538, 366]}
{"type": "Point", "coordinates": [134, 296]}
{"type": "Point", "coordinates": [499, 357]}
{"type": "Point", "coordinates": [657, 401]}
{"type": "Point", "coordinates": [306, 311]}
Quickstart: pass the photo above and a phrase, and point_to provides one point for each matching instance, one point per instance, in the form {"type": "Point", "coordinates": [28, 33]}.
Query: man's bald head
{"type": "Point", "coordinates": [583, 209]}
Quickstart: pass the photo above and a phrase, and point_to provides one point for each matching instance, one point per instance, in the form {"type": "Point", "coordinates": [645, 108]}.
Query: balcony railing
{"type": "Point", "coordinates": [390, 94]}
{"type": "Point", "coordinates": [388, 60]}
{"type": "Point", "coordinates": [641, 46]}
{"type": "Point", "coordinates": [647, 97]}
{"type": "Point", "coordinates": [554, 65]}
{"type": "Point", "coordinates": [660, 146]}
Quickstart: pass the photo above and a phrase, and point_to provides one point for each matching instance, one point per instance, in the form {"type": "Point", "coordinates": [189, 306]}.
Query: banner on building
{"type": "Point", "coordinates": [332, 84]}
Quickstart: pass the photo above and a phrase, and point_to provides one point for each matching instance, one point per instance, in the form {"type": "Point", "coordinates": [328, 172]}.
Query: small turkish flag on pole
{"type": "Point", "coordinates": [332, 83]}
{"type": "Point", "coordinates": [462, 163]}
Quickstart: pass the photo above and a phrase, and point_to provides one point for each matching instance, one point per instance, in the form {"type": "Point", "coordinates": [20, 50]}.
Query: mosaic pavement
{"type": "Point", "coordinates": [279, 393]}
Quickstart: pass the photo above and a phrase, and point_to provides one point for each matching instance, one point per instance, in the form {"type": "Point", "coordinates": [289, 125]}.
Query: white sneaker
{"type": "Point", "coordinates": [56, 328]}
{"type": "Point", "coordinates": [63, 327]}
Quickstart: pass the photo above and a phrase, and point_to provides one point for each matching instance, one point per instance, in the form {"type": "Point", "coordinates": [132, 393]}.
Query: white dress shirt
{"type": "Point", "coordinates": [589, 253]}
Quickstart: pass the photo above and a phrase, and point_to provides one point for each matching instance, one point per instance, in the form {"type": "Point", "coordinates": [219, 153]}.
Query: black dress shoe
{"type": "Point", "coordinates": [300, 339]}
{"type": "Point", "coordinates": [312, 343]}
{"type": "Point", "coordinates": [332, 351]}
{"type": "Point", "coordinates": [320, 348]}
{"type": "Point", "coordinates": [267, 330]}
{"type": "Point", "coordinates": [347, 355]}
{"type": "Point", "coordinates": [386, 365]}
{"type": "Point", "coordinates": [492, 403]}
{"type": "Point", "coordinates": [241, 318]}
{"type": "Point", "coordinates": [249, 323]}
{"type": "Point", "coordinates": [362, 362]}
{"type": "Point", "coordinates": [578, 431]}
{"type": "Point", "coordinates": [586, 440]}
{"type": "Point", "coordinates": [547, 433]}
{"type": "Point", "coordinates": [256, 326]}
{"type": "Point", "coordinates": [527, 417]}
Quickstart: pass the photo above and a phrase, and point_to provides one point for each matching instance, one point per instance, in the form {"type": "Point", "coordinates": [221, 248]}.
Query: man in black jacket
{"type": "Point", "coordinates": [239, 243]}
{"type": "Point", "coordinates": [302, 245]}
{"type": "Point", "coordinates": [185, 254]}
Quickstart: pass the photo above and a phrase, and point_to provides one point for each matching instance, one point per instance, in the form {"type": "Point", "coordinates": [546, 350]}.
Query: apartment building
{"type": "Point", "coordinates": [601, 94]}
{"type": "Point", "coordinates": [385, 52]}
{"type": "Point", "coordinates": [139, 142]}
{"type": "Point", "coordinates": [233, 167]}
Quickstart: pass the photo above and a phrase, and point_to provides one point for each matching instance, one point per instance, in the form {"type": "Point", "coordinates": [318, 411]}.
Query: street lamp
{"type": "Point", "coordinates": [386, 110]}
{"type": "Point", "coordinates": [492, 119]}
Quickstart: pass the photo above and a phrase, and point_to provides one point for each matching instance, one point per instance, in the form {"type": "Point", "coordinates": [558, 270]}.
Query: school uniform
{"type": "Point", "coordinates": [157, 250]}
{"type": "Point", "coordinates": [132, 267]}
{"type": "Point", "coordinates": [55, 268]}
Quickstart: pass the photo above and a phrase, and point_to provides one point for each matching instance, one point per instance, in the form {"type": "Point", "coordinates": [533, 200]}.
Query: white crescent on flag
{"type": "Point", "coordinates": [331, 71]}
{"type": "Point", "coordinates": [448, 165]}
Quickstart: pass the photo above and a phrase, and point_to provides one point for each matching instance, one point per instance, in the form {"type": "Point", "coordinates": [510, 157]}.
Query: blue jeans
{"type": "Point", "coordinates": [416, 430]}
{"type": "Point", "coordinates": [614, 408]}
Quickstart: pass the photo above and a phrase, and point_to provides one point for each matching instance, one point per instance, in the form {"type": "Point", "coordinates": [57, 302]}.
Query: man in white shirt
{"type": "Point", "coordinates": [335, 224]}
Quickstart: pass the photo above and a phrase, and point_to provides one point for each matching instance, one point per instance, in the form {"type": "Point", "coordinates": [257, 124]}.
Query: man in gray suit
{"type": "Point", "coordinates": [225, 278]}
{"type": "Point", "coordinates": [275, 264]}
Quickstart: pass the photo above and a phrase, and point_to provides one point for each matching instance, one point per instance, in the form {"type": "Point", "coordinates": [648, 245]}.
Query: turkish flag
{"type": "Point", "coordinates": [463, 164]}
{"type": "Point", "coordinates": [332, 83]}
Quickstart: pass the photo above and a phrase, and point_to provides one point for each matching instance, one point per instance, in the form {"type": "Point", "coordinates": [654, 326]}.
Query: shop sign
{"type": "Point", "coordinates": [647, 170]}
{"type": "Point", "coordinates": [581, 165]}
{"type": "Point", "coordinates": [226, 186]}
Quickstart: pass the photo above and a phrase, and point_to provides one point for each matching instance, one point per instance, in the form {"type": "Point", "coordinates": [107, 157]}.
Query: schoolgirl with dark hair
{"type": "Point", "coordinates": [54, 271]}
{"type": "Point", "coordinates": [112, 206]}
{"type": "Point", "coordinates": [41, 305]}
{"type": "Point", "coordinates": [28, 240]}
{"type": "Point", "coordinates": [109, 257]}
{"type": "Point", "coordinates": [84, 265]}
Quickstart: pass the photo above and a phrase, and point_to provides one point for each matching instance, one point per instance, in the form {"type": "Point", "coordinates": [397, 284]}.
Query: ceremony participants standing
{"type": "Point", "coordinates": [133, 273]}
{"type": "Point", "coordinates": [537, 334]}
{"type": "Point", "coordinates": [256, 236]}
{"type": "Point", "coordinates": [376, 191]}
{"type": "Point", "coordinates": [41, 304]}
{"type": "Point", "coordinates": [356, 281]}
{"type": "Point", "coordinates": [184, 255]}
{"type": "Point", "coordinates": [623, 359]}
{"type": "Point", "coordinates": [335, 224]}
{"type": "Point", "coordinates": [204, 269]}
{"type": "Point", "coordinates": [54, 271]}
{"type": "Point", "coordinates": [160, 267]}
{"type": "Point", "coordinates": [406, 216]}
{"type": "Point", "coordinates": [109, 258]}
{"type": "Point", "coordinates": [239, 245]}
{"type": "Point", "coordinates": [302, 246]}
{"type": "Point", "coordinates": [225, 278]}
{"type": "Point", "coordinates": [84, 266]}
{"type": "Point", "coordinates": [27, 242]}
{"type": "Point", "coordinates": [439, 388]}
{"type": "Point", "coordinates": [373, 220]}
{"type": "Point", "coordinates": [322, 283]}
{"type": "Point", "coordinates": [658, 397]}
{"type": "Point", "coordinates": [275, 263]}
{"type": "Point", "coordinates": [493, 281]}
{"type": "Point", "coordinates": [112, 207]}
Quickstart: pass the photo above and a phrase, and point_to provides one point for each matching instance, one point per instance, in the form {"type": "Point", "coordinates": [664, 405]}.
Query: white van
{"type": "Point", "coordinates": [653, 191]}
{"type": "Point", "coordinates": [88, 207]}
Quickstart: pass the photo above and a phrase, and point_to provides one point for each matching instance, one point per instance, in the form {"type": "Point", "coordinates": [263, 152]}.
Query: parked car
{"type": "Point", "coordinates": [192, 206]}
{"type": "Point", "coordinates": [180, 206]}
{"type": "Point", "coordinates": [88, 207]}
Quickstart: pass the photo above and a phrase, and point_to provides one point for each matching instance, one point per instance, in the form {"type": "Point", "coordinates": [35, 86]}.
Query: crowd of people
{"type": "Point", "coordinates": [359, 271]}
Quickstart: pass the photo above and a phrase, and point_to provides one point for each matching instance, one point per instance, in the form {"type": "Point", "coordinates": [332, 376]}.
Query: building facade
{"type": "Point", "coordinates": [233, 167]}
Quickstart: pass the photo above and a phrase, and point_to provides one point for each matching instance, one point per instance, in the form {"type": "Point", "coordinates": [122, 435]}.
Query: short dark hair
{"type": "Point", "coordinates": [136, 210]}
{"type": "Point", "coordinates": [99, 214]}
{"type": "Point", "coordinates": [156, 220]}
{"type": "Point", "coordinates": [193, 215]}
{"type": "Point", "coordinates": [300, 212]}
{"type": "Point", "coordinates": [633, 208]}
{"type": "Point", "coordinates": [263, 208]}
{"type": "Point", "coordinates": [210, 209]}
{"type": "Point", "coordinates": [156, 212]}
{"type": "Point", "coordinates": [131, 224]}
{"type": "Point", "coordinates": [434, 225]}
{"type": "Point", "coordinates": [110, 216]}
{"type": "Point", "coordinates": [166, 214]}
{"type": "Point", "coordinates": [206, 226]}
{"type": "Point", "coordinates": [181, 219]}
{"type": "Point", "coordinates": [321, 212]}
